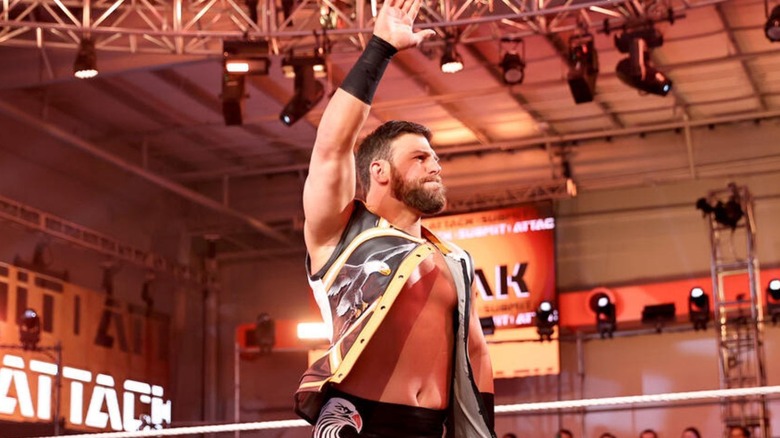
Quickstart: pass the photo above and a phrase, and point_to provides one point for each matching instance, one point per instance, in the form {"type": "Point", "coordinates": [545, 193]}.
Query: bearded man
{"type": "Point", "coordinates": [407, 353]}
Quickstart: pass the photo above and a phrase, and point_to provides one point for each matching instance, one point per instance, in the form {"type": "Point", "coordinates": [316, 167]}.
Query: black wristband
{"type": "Point", "coordinates": [364, 77]}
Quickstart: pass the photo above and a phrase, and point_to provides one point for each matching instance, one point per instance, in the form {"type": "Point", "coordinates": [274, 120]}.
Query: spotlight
{"type": "Point", "coordinates": [546, 320]}
{"type": "Point", "coordinates": [773, 289]}
{"type": "Point", "coordinates": [245, 57]}
{"type": "Point", "coordinates": [85, 66]}
{"type": "Point", "coordinates": [636, 70]}
{"type": "Point", "coordinates": [727, 214]}
{"type": "Point", "coordinates": [658, 314]}
{"type": "Point", "coordinates": [313, 331]}
{"type": "Point", "coordinates": [265, 333]}
{"type": "Point", "coordinates": [514, 68]}
{"type": "Point", "coordinates": [606, 322]}
{"type": "Point", "coordinates": [29, 329]}
{"type": "Point", "coordinates": [233, 98]}
{"type": "Point", "coordinates": [239, 59]}
{"type": "Point", "coordinates": [329, 18]}
{"type": "Point", "coordinates": [571, 185]}
{"type": "Point", "coordinates": [584, 68]}
{"type": "Point", "coordinates": [316, 62]}
{"type": "Point", "coordinates": [698, 308]}
{"type": "Point", "coordinates": [512, 63]}
{"type": "Point", "coordinates": [488, 325]}
{"type": "Point", "coordinates": [451, 62]}
{"type": "Point", "coordinates": [308, 93]}
{"type": "Point", "coordinates": [652, 81]}
{"type": "Point", "coordinates": [773, 299]}
{"type": "Point", "coordinates": [772, 27]}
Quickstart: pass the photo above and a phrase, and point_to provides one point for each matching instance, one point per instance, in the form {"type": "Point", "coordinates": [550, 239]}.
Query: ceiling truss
{"type": "Point", "coordinates": [197, 27]}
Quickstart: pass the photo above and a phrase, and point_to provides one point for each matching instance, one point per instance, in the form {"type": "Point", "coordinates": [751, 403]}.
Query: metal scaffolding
{"type": "Point", "coordinates": [739, 305]}
{"type": "Point", "coordinates": [198, 26]}
{"type": "Point", "coordinates": [51, 225]}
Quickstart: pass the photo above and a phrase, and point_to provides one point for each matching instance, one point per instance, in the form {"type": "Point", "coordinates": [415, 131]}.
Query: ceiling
{"type": "Point", "coordinates": [155, 109]}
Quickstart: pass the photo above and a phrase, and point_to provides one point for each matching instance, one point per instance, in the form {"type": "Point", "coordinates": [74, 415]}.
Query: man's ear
{"type": "Point", "coordinates": [380, 171]}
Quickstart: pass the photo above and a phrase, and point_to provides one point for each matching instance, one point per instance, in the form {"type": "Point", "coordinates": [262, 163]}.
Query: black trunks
{"type": "Point", "coordinates": [344, 416]}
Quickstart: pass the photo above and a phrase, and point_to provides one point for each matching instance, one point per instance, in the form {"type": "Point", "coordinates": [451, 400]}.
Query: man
{"type": "Point", "coordinates": [407, 352]}
{"type": "Point", "coordinates": [648, 433]}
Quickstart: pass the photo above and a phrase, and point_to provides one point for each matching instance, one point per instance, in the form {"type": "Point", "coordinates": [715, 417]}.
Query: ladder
{"type": "Point", "coordinates": [739, 306]}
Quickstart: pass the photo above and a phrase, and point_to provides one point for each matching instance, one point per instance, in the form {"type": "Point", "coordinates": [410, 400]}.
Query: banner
{"type": "Point", "coordinates": [514, 258]}
{"type": "Point", "coordinates": [106, 360]}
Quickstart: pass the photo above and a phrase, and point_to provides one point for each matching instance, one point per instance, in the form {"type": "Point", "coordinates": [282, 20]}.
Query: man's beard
{"type": "Point", "coordinates": [415, 195]}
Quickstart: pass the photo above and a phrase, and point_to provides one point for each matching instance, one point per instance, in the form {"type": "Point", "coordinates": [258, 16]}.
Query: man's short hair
{"type": "Point", "coordinates": [376, 146]}
{"type": "Point", "coordinates": [651, 431]}
{"type": "Point", "coordinates": [693, 430]}
{"type": "Point", "coordinates": [563, 432]}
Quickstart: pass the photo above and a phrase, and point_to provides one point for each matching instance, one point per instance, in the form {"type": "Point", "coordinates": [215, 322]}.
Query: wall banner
{"type": "Point", "coordinates": [514, 257]}
{"type": "Point", "coordinates": [114, 357]}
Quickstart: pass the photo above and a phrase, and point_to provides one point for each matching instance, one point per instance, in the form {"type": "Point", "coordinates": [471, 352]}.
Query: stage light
{"type": "Point", "coordinates": [604, 308]}
{"type": "Point", "coordinates": [513, 68]}
{"type": "Point", "coordinates": [265, 333]}
{"type": "Point", "coordinates": [245, 57]}
{"type": "Point", "coordinates": [233, 96]}
{"type": "Point", "coordinates": [698, 308]}
{"type": "Point", "coordinates": [772, 26]}
{"type": "Point", "coordinates": [239, 59]}
{"type": "Point", "coordinates": [773, 299]}
{"type": "Point", "coordinates": [773, 289]}
{"type": "Point", "coordinates": [571, 185]}
{"type": "Point", "coordinates": [313, 331]}
{"type": "Point", "coordinates": [727, 214]}
{"type": "Point", "coordinates": [650, 81]}
{"type": "Point", "coordinates": [451, 61]}
{"type": "Point", "coordinates": [316, 62]}
{"type": "Point", "coordinates": [85, 65]}
{"type": "Point", "coordinates": [512, 63]}
{"type": "Point", "coordinates": [658, 314]}
{"type": "Point", "coordinates": [29, 329]}
{"type": "Point", "coordinates": [546, 320]}
{"type": "Point", "coordinates": [488, 325]}
{"type": "Point", "coordinates": [583, 68]}
{"type": "Point", "coordinates": [308, 92]}
{"type": "Point", "coordinates": [329, 18]}
{"type": "Point", "coordinates": [636, 70]}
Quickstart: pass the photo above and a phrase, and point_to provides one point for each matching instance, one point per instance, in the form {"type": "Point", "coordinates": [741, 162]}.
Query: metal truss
{"type": "Point", "coordinates": [83, 237]}
{"type": "Point", "coordinates": [555, 189]}
{"type": "Point", "coordinates": [197, 27]}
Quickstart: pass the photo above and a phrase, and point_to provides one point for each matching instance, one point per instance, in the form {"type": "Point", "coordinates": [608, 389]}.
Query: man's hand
{"type": "Point", "coordinates": [394, 23]}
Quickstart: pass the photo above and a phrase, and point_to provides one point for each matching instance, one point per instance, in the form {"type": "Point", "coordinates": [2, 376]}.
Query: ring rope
{"type": "Point", "coordinates": [638, 399]}
{"type": "Point", "coordinates": [502, 409]}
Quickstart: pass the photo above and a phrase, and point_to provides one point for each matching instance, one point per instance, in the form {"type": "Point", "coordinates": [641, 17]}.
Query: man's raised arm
{"type": "Point", "coordinates": [330, 185]}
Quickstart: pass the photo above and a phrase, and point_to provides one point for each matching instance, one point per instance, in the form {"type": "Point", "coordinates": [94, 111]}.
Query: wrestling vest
{"type": "Point", "coordinates": [354, 291]}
